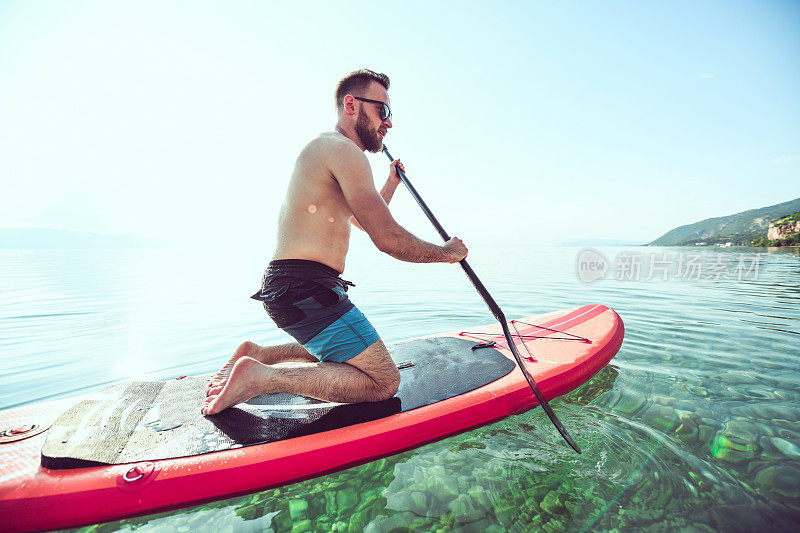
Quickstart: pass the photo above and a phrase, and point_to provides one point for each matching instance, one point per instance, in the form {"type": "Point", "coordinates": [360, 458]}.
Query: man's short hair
{"type": "Point", "coordinates": [357, 83]}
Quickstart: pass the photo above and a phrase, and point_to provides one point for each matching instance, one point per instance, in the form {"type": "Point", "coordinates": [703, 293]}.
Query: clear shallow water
{"type": "Point", "coordinates": [695, 423]}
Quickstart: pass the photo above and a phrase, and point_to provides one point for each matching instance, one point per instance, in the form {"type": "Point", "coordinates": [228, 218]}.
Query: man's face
{"type": "Point", "coordinates": [368, 134]}
{"type": "Point", "coordinates": [369, 127]}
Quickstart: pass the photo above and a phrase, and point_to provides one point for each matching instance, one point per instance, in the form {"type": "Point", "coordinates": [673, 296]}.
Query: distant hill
{"type": "Point", "coordinates": [56, 238]}
{"type": "Point", "coordinates": [740, 229]}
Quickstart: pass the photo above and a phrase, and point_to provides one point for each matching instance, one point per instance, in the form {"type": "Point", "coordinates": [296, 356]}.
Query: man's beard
{"type": "Point", "coordinates": [368, 137]}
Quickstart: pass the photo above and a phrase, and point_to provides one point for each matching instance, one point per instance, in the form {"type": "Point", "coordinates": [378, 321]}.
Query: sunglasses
{"type": "Point", "coordinates": [386, 113]}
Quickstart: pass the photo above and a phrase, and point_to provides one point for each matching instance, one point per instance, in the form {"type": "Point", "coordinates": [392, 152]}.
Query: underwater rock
{"type": "Point", "coordinates": [630, 402]}
{"type": "Point", "coordinates": [383, 523]}
{"type": "Point", "coordinates": [554, 525]}
{"type": "Point", "coordinates": [357, 523]}
{"type": "Point", "coordinates": [444, 490]}
{"type": "Point", "coordinates": [707, 429]}
{"type": "Point", "coordinates": [465, 482]}
{"type": "Point", "coordinates": [248, 512]}
{"type": "Point", "coordinates": [444, 457]}
{"type": "Point", "coordinates": [688, 430]}
{"type": "Point", "coordinates": [335, 484]}
{"type": "Point", "coordinates": [368, 498]}
{"type": "Point", "coordinates": [504, 510]}
{"type": "Point", "coordinates": [346, 500]}
{"type": "Point", "coordinates": [437, 508]}
{"type": "Point", "coordinates": [736, 442]}
{"type": "Point", "coordinates": [420, 477]}
{"type": "Point", "coordinates": [660, 417]}
{"type": "Point", "coordinates": [780, 479]}
{"type": "Point", "coordinates": [573, 508]}
{"type": "Point", "coordinates": [302, 527]}
{"type": "Point", "coordinates": [330, 503]}
{"type": "Point", "coordinates": [789, 434]}
{"type": "Point", "coordinates": [419, 503]}
{"type": "Point", "coordinates": [433, 474]}
{"type": "Point", "coordinates": [464, 510]}
{"type": "Point", "coordinates": [767, 412]}
{"type": "Point", "coordinates": [778, 448]}
{"type": "Point", "coordinates": [667, 401]}
{"type": "Point", "coordinates": [413, 501]}
{"type": "Point", "coordinates": [480, 498]}
{"type": "Point", "coordinates": [756, 465]}
{"type": "Point", "coordinates": [297, 509]}
{"type": "Point", "coordinates": [551, 503]}
{"type": "Point", "coordinates": [398, 501]}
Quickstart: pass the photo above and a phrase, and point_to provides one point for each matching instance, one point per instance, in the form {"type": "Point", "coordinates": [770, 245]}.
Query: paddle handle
{"type": "Point", "coordinates": [493, 307]}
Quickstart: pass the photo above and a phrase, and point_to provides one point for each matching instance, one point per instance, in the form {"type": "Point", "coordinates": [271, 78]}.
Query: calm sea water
{"type": "Point", "coordinates": [694, 425]}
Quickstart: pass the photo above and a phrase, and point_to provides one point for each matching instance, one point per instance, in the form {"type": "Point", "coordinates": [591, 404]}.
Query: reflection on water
{"type": "Point", "coordinates": [695, 424]}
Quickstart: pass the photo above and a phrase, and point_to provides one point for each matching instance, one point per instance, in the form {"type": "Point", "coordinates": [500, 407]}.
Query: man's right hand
{"type": "Point", "coordinates": [455, 249]}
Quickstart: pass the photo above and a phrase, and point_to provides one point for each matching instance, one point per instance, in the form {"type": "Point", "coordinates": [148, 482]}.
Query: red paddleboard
{"type": "Point", "coordinates": [144, 447]}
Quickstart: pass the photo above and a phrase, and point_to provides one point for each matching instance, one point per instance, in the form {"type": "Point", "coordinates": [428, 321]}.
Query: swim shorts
{"type": "Point", "coordinates": [308, 300]}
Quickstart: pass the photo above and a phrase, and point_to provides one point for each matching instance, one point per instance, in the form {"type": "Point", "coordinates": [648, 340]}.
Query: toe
{"type": "Point", "coordinates": [206, 407]}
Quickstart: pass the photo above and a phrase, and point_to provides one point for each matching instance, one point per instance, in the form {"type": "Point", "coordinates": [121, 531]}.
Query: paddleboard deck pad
{"type": "Point", "coordinates": [143, 447]}
{"type": "Point", "coordinates": [147, 421]}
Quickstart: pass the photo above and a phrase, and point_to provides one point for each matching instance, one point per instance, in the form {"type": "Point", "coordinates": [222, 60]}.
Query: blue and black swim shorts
{"type": "Point", "coordinates": [308, 300]}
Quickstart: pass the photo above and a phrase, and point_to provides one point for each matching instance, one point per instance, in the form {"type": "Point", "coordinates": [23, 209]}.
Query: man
{"type": "Point", "coordinates": [339, 356]}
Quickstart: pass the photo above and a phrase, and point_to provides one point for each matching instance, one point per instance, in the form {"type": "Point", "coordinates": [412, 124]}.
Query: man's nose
{"type": "Point", "coordinates": [388, 122]}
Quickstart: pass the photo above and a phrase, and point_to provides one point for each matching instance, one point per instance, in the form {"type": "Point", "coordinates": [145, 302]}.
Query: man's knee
{"type": "Point", "coordinates": [386, 378]}
{"type": "Point", "coordinates": [376, 363]}
{"type": "Point", "coordinates": [390, 382]}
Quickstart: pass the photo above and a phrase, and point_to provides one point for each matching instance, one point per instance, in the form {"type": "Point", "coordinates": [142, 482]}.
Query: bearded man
{"type": "Point", "coordinates": [338, 356]}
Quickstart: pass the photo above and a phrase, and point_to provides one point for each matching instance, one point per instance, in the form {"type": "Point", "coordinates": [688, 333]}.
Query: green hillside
{"type": "Point", "coordinates": [790, 237]}
{"type": "Point", "coordinates": [740, 229]}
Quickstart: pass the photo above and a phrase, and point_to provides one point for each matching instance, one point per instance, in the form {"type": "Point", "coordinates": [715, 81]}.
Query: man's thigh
{"type": "Point", "coordinates": [376, 362]}
{"type": "Point", "coordinates": [347, 337]}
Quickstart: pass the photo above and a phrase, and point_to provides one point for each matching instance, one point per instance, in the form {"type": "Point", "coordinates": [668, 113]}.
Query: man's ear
{"type": "Point", "coordinates": [349, 104]}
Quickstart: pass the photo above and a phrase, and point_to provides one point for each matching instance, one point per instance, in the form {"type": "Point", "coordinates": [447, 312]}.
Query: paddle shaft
{"type": "Point", "coordinates": [495, 309]}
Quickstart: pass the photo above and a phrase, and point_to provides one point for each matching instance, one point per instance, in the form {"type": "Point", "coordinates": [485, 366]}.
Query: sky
{"type": "Point", "coordinates": [531, 122]}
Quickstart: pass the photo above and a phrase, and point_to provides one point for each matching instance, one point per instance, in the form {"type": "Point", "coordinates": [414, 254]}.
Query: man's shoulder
{"type": "Point", "coordinates": [333, 145]}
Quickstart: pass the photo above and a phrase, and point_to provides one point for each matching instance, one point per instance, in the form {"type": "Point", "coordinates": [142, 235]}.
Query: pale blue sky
{"type": "Point", "coordinates": [538, 121]}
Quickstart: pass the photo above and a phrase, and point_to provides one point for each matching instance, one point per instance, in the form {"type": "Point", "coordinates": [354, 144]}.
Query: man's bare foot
{"type": "Point", "coordinates": [246, 349]}
{"type": "Point", "coordinates": [246, 380]}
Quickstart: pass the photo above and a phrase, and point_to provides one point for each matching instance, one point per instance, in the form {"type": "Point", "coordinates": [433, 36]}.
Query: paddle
{"type": "Point", "coordinates": [498, 314]}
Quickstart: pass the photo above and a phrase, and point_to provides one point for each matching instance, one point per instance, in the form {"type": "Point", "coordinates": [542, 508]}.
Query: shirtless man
{"type": "Point", "coordinates": [339, 356]}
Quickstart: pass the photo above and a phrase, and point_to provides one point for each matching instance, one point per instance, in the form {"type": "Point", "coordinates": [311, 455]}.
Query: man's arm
{"type": "Point", "coordinates": [387, 191]}
{"type": "Point", "coordinates": [351, 170]}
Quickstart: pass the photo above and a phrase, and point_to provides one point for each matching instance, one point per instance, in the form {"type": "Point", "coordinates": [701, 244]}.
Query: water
{"type": "Point", "coordinates": [695, 424]}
